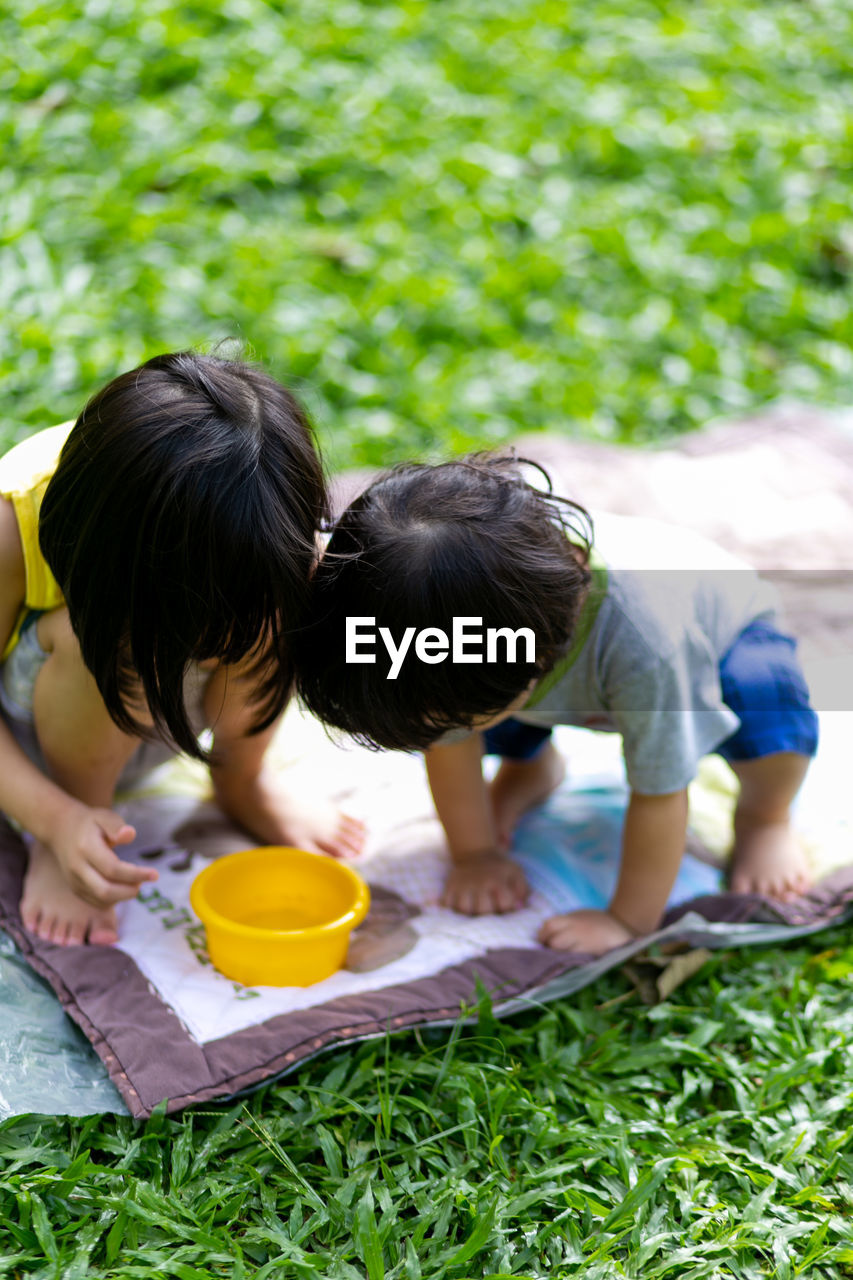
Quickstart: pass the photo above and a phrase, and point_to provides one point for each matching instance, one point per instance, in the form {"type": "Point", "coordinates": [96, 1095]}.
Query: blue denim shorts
{"type": "Point", "coordinates": [761, 681]}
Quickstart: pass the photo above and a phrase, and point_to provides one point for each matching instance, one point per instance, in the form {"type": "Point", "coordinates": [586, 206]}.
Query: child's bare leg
{"type": "Point", "coordinates": [85, 753]}
{"type": "Point", "coordinates": [766, 855]}
{"type": "Point", "coordinates": [520, 785]}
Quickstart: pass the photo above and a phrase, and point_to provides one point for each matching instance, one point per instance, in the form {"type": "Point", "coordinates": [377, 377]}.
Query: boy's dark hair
{"type": "Point", "coordinates": [422, 545]}
{"type": "Point", "coordinates": [181, 525]}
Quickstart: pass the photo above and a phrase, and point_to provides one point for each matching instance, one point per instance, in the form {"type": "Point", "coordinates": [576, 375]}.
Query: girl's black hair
{"type": "Point", "coordinates": [422, 545]}
{"type": "Point", "coordinates": [181, 525]}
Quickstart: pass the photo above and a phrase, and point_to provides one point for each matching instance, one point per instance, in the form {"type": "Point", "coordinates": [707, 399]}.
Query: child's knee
{"type": "Point", "coordinates": [56, 636]}
{"type": "Point", "coordinates": [67, 706]}
{"type": "Point", "coordinates": [62, 676]}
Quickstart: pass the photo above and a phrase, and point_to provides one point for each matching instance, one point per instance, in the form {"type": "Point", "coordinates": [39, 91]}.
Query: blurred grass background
{"type": "Point", "coordinates": [445, 223]}
{"type": "Point", "coordinates": [442, 223]}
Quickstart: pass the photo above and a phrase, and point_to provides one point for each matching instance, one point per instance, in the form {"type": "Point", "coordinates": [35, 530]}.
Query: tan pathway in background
{"type": "Point", "coordinates": [776, 489]}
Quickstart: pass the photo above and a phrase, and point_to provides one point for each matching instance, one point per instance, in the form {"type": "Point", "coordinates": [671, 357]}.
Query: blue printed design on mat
{"type": "Point", "coordinates": [569, 849]}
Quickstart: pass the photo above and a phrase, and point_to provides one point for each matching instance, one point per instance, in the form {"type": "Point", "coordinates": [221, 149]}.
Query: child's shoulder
{"type": "Point", "coordinates": [668, 586]}
{"type": "Point", "coordinates": [33, 461]}
{"type": "Point", "coordinates": [11, 552]}
{"type": "Point", "coordinates": [13, 575]}
{"type": "Point", "coordinates": [25, 472]}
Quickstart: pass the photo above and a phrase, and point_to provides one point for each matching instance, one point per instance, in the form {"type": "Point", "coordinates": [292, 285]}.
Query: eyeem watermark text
{"type": "Point", "coordinates": [467, 643]}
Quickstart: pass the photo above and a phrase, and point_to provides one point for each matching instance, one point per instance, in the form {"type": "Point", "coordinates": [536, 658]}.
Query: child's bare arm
{"type": "Point", "coordinates": [26, 795]}
{"type": "Point", "coordinates": [80, 833]}
{"type": "Point", "coordinates": [482, 879]}
{"type": "Point", "coordinates": [652, 848]}
{"type": "Point", "coordinates": [238, 773]}
{"type": "Point", "coordinates": [251, 794]}
{"type": "Point", "coordinates": [237, 770]}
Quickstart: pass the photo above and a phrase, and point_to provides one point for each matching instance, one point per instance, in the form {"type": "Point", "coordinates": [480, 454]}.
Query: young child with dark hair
{"type": "Point", "coordinates": [154, 557]}
{"type": "Point", "coordinates": [650, 631]}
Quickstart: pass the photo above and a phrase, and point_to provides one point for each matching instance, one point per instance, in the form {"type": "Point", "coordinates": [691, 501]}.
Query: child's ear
{"type": "Point", "coordinates": [580, 554]}
{"type": "Point", "coordinates": [321, 541]}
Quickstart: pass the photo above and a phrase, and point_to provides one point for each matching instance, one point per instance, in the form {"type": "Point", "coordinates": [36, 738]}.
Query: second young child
{"type": "Point", "coordinates": [653, 633]}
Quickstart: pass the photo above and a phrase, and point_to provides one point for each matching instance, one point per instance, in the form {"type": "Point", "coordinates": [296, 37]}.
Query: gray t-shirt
{"type": "Point", "coordinates": [649, 666]}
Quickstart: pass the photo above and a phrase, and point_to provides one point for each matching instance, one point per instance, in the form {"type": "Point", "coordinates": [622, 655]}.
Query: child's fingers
{"type": "Point", "coordinates": [556, 933]}
{"type": "Point", "coordinates": [459, 898]}
{"type": "Point", "coordinates": [352, 834]}
{"type": "Point", "coordinates": [114, 871]}
{"type": "Point", "coordinates": [520, 889]}
{"type": "Point", "coordinates": [114, 827]}
{"type": "Point", "coordinates": [507, 898]}
{"type": "Point", "coordinates": [478, 894]}
{"type": "Point", "coordinates": [120, 872]}
{"type": "Point", "coordinates": [544, 934]}
{"type": "Point", "coordinates": [98, 891]}
{"type": "Point", "coordinates": [484, 900]}
{"type": "Point", "coordinates": [509, 894]}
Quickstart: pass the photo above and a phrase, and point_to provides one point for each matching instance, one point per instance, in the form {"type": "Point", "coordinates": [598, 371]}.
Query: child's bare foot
{"type": "Point", "coordinates": [768, 858]}
{"type": "Point", "coordinates": [51, 911]}
{"type": "Point", "coordinates": [520, 785]}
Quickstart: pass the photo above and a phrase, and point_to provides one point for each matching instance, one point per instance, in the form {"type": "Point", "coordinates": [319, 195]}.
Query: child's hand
{"type": "Point", "coordinates": [590, 932]}
{"type": "Point", "coordinates": [485, 884]}
{"type": "Point", "coordinates": [84, 849]}
{"type": "Point", "coordinates": [274, 815]}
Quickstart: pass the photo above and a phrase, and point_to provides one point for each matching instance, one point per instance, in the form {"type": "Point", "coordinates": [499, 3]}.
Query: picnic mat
{"type": "Point", "coordinates": [166, 1026]}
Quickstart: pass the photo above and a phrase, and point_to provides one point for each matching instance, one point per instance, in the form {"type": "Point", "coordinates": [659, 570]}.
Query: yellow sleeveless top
{"type": "Point", "coordinates": [24, 474]}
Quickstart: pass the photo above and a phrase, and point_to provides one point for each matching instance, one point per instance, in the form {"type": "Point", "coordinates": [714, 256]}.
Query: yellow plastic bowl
{"type": "Point", "coordinates": [278, 917]}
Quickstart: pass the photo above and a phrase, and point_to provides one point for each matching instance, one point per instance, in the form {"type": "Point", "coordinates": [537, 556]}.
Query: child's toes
{"type": "Point", "coordinates": [775, 887]}
{"type": "Point", "coordinates": [59, 932]}
{"type": "Point", "coordinates": [801, 884]}
{"type": "Point", "coordinates": [741, 883]}
{"type": "Point", "coordinates": [46, 927]}
{"type": "Point", "coordinates": [30, 918]}
{"type": "Point", "coordinates": [76, 934]}
{"type": "Point", "coordinates": [100, 936]}
{"type": "Point", "coordinates": [795, 886]}
{"type": "Point", "coordinates": [103, 930]}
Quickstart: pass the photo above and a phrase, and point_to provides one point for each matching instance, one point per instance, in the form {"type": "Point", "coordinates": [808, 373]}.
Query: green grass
{"type": "Point", "coordinates": [446, 221]}
{"type": "Point", "coordinates": [709, 1136]}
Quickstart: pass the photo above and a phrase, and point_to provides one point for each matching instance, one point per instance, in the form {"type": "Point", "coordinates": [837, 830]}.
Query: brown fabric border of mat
{"type": "Point", "coordinates": [151, 1056]}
